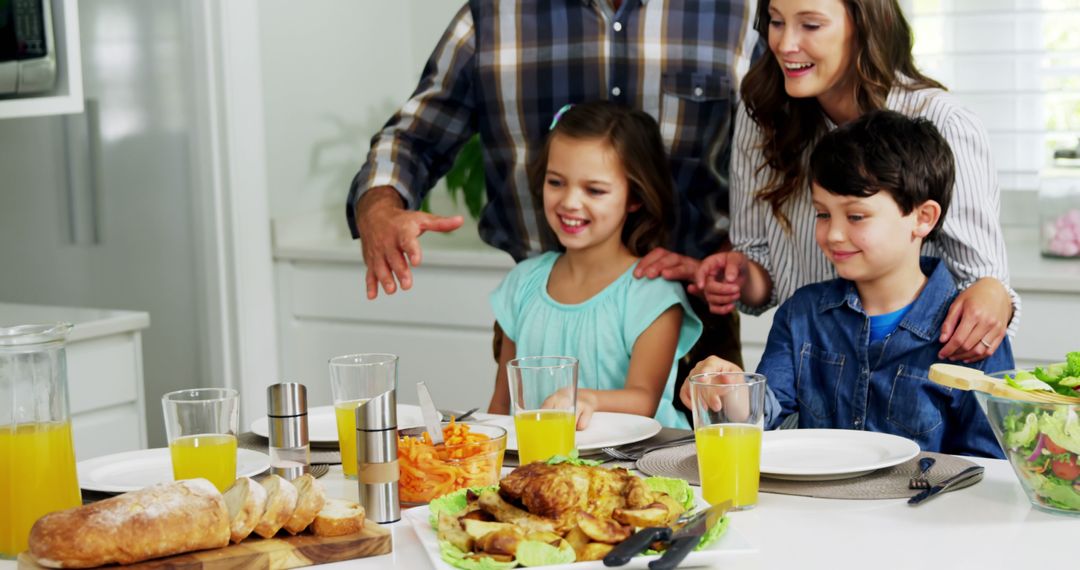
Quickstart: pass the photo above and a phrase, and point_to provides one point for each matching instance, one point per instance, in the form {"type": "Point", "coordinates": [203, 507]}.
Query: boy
{"type": "Point", "coordinates": [853, 352]}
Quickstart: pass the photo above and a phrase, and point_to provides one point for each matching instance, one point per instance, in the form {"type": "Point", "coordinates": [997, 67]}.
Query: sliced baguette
{"type": "Point", "coordinates": [338, 518]}
{"type": "Point", "coordinates": [246, 500]}
{"type": "Point", "coordinates": [281, 498]}
{"type": "Point", "coordinates": [311, 500]}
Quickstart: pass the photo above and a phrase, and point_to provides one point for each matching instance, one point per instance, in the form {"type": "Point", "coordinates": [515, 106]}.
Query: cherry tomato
{"type": "Point", "coordinates": [1053, 447]}
{"type": "Point", "coordinates": [1067, 470]}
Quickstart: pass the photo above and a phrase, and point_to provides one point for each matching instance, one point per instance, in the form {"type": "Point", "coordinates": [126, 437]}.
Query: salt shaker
{"type": "Point", "coordinates": [376, 457]}
{"type": "Point", "coordinates": [290, 453]}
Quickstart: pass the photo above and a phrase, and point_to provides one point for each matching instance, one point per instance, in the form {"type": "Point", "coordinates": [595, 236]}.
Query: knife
{"type": "Point", "coordinates": [431, 415]}
{"type": "Point", "coordinates": [680, 542]}
{"type": "Point", "coordinates": [970, 475]}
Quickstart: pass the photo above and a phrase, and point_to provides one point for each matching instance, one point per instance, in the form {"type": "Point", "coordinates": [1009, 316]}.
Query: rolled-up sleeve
{"type": "Point", "coordinates": [418, 144]}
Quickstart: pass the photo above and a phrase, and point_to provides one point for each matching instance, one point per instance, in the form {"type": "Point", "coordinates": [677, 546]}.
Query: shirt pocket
{"type": "Point", "coordinates": [695, 109]}
{"type": "Point", "coordinates": [916, 403]}
{"type": "Point", "coordinates": [818, 382]}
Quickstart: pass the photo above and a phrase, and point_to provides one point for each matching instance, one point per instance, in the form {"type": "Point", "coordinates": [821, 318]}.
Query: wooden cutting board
{"type": "Point", "coordinates": [276, 553]}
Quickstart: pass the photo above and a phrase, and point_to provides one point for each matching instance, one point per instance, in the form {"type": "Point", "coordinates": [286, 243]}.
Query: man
{"type": "Point", "coordinates": [503, 68]}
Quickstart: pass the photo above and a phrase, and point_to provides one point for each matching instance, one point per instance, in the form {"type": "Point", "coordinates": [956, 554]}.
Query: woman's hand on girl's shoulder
{"type": "Point", "coordinates": [667, 264]}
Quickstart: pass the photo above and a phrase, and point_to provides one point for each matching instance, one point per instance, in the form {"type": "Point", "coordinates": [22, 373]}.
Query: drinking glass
{"type": "Point", "coordinates": [729, 413]}
{"type": "Point", "coordinates": [543, 401]}
{"type": "Point", "coordinates": [355, 379]}
{"type": "Point", "coordinates": [201, 426]}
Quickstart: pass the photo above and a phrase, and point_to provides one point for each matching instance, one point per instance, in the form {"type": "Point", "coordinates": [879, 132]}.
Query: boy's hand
{"type": "Point", "coordinates": [720, 279]}
{"type": "Point", "coordinates": [976, 322]}
{"type": "Point", "coordinates": [587, 402]}
{"type": "Point", "coordinates": [710, 364]}
{"type": "Point", "coordinates": [667, 264]}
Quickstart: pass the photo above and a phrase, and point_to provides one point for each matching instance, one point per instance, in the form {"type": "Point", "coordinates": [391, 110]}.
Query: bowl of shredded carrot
{"type": "Point", "coordinates": [471, 456]}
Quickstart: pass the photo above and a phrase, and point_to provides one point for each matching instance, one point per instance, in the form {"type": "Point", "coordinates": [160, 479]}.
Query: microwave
{"type": "Point", "coordinates": [27, 47]}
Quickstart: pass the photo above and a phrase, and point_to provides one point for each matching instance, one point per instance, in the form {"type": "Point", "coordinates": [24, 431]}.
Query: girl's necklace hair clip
{"type": "Point", "coordinates": [559, 114]}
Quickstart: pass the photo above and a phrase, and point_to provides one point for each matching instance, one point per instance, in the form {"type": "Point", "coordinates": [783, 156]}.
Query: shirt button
{"type": "Point", "coordinates": [698, 92]}
{"type": "Point", "coordinates": [616, 91]}
{"type": "Point", "coordinates": [617, 27]}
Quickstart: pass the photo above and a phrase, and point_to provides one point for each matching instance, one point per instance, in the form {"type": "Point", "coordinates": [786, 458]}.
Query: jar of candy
{"type": "Point", "coordinates": [1059, 205]}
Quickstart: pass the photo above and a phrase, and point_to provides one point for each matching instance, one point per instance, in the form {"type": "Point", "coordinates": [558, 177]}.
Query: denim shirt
{"type": "Point", "coordinates": [819, 362]}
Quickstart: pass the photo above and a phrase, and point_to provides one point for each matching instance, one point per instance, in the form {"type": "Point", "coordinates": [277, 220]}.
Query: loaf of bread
{"type": "Point", "coordinates": [246, 501]}
{"type": "Point", "coordinates": [160, 520]}
{"type": "Point", "coordinates": [281, 498]}
{"type": "Point", "coordinates": [338, 518]}
{"type": "Point", "coordinates": [309, 502]}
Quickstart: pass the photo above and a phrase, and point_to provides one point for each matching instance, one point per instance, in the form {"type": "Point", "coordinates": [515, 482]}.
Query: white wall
{"type": "Point", "coordinates": [333, 73]}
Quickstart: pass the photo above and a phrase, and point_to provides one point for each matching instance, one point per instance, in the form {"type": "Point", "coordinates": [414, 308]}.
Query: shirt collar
{"type": "Point", "coordinates": [927, 312]}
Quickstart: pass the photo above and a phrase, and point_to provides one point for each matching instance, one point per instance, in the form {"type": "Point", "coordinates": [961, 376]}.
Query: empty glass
{"type": "Point", "coordinates": [729, 413]}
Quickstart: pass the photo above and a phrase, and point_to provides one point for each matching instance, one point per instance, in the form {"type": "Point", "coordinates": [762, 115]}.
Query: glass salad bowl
{"type": "Point", "coordinates": [1041, 442]}
{"type": "Point", "coordinates": [471, 456]}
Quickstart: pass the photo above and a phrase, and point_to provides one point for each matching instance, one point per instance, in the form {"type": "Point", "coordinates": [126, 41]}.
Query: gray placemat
{"type": "Point", "coordinates": [319, 456]}
{"type": "Point", "coordinates": [888, 483]}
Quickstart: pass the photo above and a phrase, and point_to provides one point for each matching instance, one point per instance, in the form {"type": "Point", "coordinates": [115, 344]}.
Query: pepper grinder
{"type": "Point", "coordinates": [377, 457]}
{"type": "Point", "coordinates": [290, 452]}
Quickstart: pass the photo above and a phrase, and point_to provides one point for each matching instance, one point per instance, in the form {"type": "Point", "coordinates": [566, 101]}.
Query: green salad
{"type": "Point", "coordinates": [538, 553]}
{"type": "Point", "coordinates": [1044, 444]}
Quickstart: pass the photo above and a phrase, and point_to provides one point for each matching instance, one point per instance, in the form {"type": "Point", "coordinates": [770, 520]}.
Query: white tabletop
{"type": "Point", "coordinates": [988, 525]}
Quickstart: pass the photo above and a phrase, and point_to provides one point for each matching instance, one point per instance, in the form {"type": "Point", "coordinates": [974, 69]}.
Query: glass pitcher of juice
{"type": "Point", "coordinates": [37, 456]}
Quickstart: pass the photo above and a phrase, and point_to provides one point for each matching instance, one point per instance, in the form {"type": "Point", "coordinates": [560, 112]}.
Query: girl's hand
{"type": "Point", "coordinates": [587, 402]}
{"type": "Point", "coordinates": [976, 322]}
{"type": "Point", "coordinates": [710, 364]}
{"type": "Point", "coordinates": [720, 279]}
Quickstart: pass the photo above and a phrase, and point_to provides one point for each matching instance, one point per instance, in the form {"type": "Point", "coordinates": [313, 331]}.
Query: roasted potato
{"type": "Point", "coordinates": [604, 530]}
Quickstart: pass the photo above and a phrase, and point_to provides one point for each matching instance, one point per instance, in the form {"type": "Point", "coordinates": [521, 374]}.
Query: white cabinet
{"type": "Point", "coordinates": [105, 374]}
{"type": "Point", "coordinates": [67, 96]}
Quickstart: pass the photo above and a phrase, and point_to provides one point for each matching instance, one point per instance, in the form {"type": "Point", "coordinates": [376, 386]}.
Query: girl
{"type": "Point", "coordinates": [832, 61]}
{"type": "Point", "coordinates": [607, 195]}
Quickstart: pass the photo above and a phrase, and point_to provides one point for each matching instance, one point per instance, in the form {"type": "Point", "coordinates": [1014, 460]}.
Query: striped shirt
{"type": "Point", "coordinates": [504, 67]}
{"type": "Point", "coordinates": [970, 243]}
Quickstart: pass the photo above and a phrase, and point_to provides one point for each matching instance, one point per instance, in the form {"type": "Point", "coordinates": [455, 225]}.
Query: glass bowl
{"type": "Point", "coordinates": [1041, 442]}
{"type": "Point", "coordinates": [429, 472]}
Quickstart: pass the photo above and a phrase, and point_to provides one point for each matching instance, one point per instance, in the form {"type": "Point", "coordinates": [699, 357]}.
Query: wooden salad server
{"type": "Point", "coordinates": [965, 378]}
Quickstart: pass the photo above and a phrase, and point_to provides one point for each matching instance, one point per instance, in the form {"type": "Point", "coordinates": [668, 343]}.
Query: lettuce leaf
{"type": "Point", "coordinates": [451, 503]}
{"type": "Point", "coordinates": [1062, 426]}
{"type": "Point", "coordinates": [458, 559]}
{"type": "Point", "coordinates": [678, 489]}
{"type": "Point", "coordinates": [573, 459]}
{"type": "Point", "coordinates": [536, 553]}
{"type": "Point", "coordinates": [1020, 435]}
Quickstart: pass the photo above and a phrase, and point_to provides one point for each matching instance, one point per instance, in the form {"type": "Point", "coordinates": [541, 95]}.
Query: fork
{"type": "Point", "coordinates": [920, 481]}
{"type": "Point", "coordinates": [633, 454]}
{"type": "Point", "coordinates": [447, 414]}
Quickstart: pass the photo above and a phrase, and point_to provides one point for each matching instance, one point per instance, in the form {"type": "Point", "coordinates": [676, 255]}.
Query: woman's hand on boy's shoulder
{"type": "Point", "coordinates": [667, 264]}
{"type": "Point", "coordinates": [976, 322]}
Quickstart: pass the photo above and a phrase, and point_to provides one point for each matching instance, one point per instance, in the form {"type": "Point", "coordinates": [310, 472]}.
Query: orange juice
{"type": "Point", "coordinates": [346, 434]}
{"type": "Point", "coordinates": [542, 434]}
{"type": "Point", "coordinates": [729, 462]}
{"type": "Point", "coordinates": [37, 476]}
{"type": "Point", "coordinates": [211, 456]}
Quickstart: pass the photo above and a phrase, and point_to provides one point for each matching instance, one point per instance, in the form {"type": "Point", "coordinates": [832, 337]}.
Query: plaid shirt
{"type": "Point", "coordinates": [504, 67]}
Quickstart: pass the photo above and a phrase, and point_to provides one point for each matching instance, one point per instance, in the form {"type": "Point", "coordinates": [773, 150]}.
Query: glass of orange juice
{"type": "Point", "coordinates": [543, 401]}
{"type": "Point", "coordinates": [729, 414]}
{"type": "Point", "coordinates": [201, 426]}
{"type": "Point", "coordinates": [355, 379]}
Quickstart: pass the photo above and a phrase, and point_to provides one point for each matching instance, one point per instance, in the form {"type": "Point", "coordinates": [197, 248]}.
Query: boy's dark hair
{"type": "Point", "coordinates": [636, 138]}
{"type": "Point", "coordinates": [884, 151]}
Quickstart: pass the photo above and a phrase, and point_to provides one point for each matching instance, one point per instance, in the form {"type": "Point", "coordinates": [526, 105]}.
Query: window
{"type": "Point", "coordinates": [1015, 63]}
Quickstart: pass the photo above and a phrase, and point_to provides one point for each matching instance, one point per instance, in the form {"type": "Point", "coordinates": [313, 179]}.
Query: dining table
{"type": "Point", "coordinates": [988, 525]}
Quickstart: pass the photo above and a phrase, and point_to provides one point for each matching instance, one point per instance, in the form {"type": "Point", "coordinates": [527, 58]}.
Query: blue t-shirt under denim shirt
{"type": "Point", "coordinates": [882, 326]}
{"type": "Point", "coordinates": [820, 363]}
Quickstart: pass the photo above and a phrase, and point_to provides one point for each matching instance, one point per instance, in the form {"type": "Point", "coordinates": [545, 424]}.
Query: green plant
{"type": "Point", "coordinates": [466, 178]}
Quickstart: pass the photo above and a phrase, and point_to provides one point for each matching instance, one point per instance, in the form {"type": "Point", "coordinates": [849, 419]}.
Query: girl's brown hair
{"type": "Point", "coordinates": [789, 126]}
{"type": "Point", "coordinates": [635, 137]}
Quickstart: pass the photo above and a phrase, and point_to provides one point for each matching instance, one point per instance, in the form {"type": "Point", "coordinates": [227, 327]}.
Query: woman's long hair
{"type": "Point", "coordinates": [882, 58]}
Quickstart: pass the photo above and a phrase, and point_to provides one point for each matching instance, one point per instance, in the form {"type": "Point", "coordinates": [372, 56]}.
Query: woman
{"type": "Point", "coordinates": [832, 61]}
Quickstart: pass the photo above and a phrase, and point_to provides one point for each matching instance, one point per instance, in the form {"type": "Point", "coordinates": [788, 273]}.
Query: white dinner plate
{"type": "Point", "coordinates": [606, 429]}
{"type": "Point", "coordinates": [322, 423]}
{"type": "Point", "coordinates": [133, 470]}
{"type": "Point", "coordinates": [825, 454]}
{"type": "Point", "coordinates": [731, 543]}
